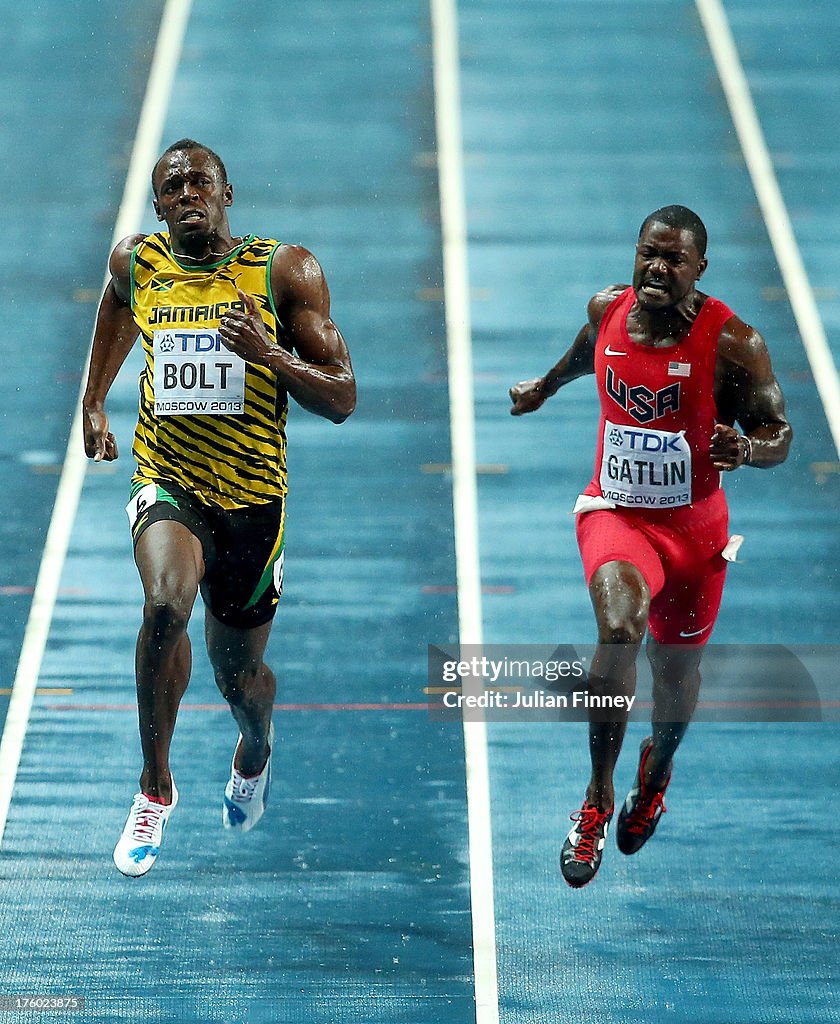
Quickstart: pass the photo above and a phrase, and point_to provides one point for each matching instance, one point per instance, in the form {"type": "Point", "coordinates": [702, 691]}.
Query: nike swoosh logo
{"type": "Point", "coordinates": [696, 632]}
{"type": "Point", "coordinates": [609, 352]}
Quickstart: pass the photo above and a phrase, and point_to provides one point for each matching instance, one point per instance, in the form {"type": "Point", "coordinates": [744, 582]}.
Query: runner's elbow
{"type": "Point", "coordinates": [344, 405]}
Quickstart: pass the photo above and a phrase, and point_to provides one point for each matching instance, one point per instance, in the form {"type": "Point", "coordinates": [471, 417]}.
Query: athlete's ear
{"type": "Point", "coordinates": [157, 209]}
{"type": "Point", "coordinates": [701, 267]}
{"type": "Point", "coordinates": [228, 194]}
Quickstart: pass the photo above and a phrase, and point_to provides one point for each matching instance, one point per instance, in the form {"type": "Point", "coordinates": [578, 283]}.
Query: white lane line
{"type": "Point", "coordinates": [464, 489]}
{"type": "Point", "coordinates": [773, 208]}
{"type": "Point", "coordinates": [146, 143]}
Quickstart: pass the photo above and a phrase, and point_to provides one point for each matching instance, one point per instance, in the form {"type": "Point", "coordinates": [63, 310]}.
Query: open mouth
{"type": "Point", "coordinates": [190, 216]}
{"type": "Point", "coordinates": [655, 288]}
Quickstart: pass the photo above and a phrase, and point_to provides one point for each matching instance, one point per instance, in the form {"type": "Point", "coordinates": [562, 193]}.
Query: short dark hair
{"type": "Point", "coordinates": [186, 145]}
{"type": "Point", "coordinates": [682, 218]}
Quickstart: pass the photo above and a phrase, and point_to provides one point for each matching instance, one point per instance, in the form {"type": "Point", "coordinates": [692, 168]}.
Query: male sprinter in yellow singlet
{"type": "Point", "coordinates": [231, 326]}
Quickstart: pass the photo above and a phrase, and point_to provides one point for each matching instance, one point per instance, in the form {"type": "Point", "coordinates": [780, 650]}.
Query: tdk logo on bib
{"type": "Point", "coordinates": [645, 440]}
{"type": "Point", "coordinates": [195, 374]}
{"type": "Point", "coordinates": [189, 341]}
{"type": "Point", "coordinates": [645, 467]}
{"type": "Point", "coordinates": [640, 402]}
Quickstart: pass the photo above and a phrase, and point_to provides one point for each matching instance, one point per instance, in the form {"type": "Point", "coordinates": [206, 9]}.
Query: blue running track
{"type": "Point", "coordinates": [586, 119]}
{"type": "Point", "coordinates": [351, 902]}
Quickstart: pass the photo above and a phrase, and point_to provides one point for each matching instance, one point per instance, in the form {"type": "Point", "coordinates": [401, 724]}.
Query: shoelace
{"type": "Point", "coordinates": [243, 789]}
{"type": "Point", "coordinates": [147, 816]}
{"type": "Point", "coordinates": [591, 820]}
{"type": "Point", "coordinates": [640, 818]}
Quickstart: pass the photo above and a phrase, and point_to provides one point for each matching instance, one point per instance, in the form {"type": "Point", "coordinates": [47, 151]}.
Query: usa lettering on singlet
{"type": "Point", "coordinates": [208, 419]}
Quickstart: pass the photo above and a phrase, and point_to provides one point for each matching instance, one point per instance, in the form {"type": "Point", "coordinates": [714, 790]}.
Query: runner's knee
{"type": "Point", "coordinates": [621, 631]}
{"type": "Point", "coordinates": [674, 663]}
{"type": "Point", "coordinates": [166, 612]}
{"type": "Point", "coordinates": [621, 600]}
{"type": "Point", "coordinates": [240, 684]}
{"type": "Point", "coordinates": [235, 683]}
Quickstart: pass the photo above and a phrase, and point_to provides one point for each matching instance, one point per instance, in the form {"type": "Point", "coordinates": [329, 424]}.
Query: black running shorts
{"type": "Point", "coordinates": [243, 548]}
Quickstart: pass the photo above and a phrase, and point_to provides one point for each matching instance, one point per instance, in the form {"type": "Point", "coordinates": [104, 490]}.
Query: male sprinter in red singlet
{"type": "Point", "coordinates": [675, 370]}
{"type": "Point", "coordinates": [231, 326]}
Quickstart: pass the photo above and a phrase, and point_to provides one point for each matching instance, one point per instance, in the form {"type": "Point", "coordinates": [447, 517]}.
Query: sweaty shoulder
{"type": "Point", "coordinates": [120, 264]}
{"type": "Point", "coordinates": [295, 262]}
{"type": "Point", "coordinates": [295, 273]}
{"type": "Point", "coordinates": [738, 343]}
{"type": "Point", "coordinates": [601, 300]}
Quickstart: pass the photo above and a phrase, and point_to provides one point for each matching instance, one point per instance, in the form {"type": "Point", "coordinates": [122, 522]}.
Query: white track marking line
{"type": "Point", "coordinates": [146, 143]}
{"type": "Point", "coordinates": [773, 208]}
{"type": "Point", "coordinates": [464, 489]}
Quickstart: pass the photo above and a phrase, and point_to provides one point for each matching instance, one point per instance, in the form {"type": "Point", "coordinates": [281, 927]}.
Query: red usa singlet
{"type": "Point", "coordinates": [658, 412]}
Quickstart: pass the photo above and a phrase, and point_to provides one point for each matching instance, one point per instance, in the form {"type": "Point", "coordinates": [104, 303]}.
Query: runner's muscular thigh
{"type": "Point", "coordinates": [171, 564]}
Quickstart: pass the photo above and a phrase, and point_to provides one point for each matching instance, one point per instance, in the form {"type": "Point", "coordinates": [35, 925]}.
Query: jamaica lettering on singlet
{"type": "Point", "coordinates": [208, 420]}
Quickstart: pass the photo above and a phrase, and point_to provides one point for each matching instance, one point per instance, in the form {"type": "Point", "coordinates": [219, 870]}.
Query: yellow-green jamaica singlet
{"type": "Point", "coordinates": [208, 420]}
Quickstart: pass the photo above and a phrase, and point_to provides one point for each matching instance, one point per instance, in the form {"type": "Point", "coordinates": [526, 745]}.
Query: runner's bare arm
{"type": "Point", "coordinates": [317, 371]}
{"type": "Point", "coordinates": [529, 395]}
{"type": "Point", "coordinates": [748, 393]}
{"type": "Point", "coordinates": [113, 338]}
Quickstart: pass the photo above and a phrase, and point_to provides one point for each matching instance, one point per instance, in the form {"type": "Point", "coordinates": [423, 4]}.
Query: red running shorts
{"type": "Point", "coordinates": [678, 553]}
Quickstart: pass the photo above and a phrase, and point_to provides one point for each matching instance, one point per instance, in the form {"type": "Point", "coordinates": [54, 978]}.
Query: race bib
{"type": "Point", "coordinates": [147, 496]}
{"type": "Point", "coordinates": [196, 374]}
{"type": "Point", "coordinates": [645, 468]}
